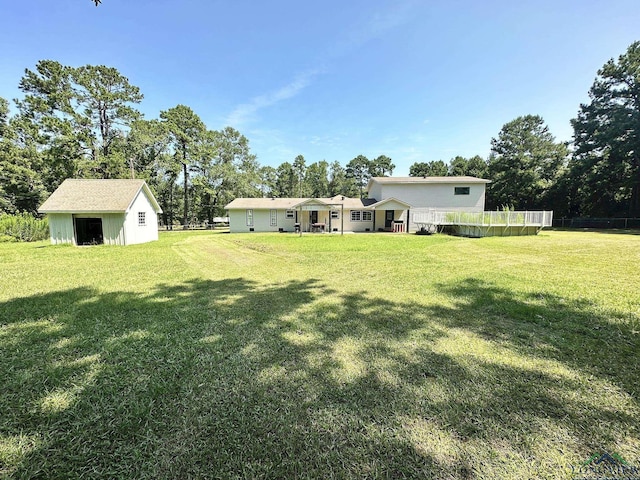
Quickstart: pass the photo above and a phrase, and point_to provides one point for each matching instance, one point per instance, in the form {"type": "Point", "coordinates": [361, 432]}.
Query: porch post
{"type": "Point", "coordinates": [408, 219]}
{"type": "Point", "coordinates": [374, 220]}
{"type": "Point", "coordinates": [342, 220]}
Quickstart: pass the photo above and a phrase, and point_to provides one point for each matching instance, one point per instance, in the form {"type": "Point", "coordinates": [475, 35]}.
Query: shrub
{"type": "Point", "coordinates": [23, 227]}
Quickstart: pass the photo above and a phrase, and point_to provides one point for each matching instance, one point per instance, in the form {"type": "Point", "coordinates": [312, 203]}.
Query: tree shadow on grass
{"type": "Point", "coordinates": [231, 379]}
{"type": "Point", "coordinates": [575, 332]}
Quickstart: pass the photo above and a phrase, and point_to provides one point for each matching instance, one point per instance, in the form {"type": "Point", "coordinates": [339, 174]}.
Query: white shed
{"type": "Point", "coordinates": [113, 212]}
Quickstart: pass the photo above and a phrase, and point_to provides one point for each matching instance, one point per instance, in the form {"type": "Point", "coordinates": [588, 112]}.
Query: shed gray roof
{"type": "Point", "coordinates": [84, 196]}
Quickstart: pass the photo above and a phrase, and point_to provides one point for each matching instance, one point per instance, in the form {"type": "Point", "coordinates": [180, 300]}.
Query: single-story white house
{"type": "Point", "coordinates": [113, 212]}
{"type": "Point", "coordinates": [391, 199]}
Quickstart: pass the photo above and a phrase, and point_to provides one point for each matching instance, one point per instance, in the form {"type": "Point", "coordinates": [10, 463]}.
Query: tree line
{"type": "Point", "coordinates": [83, 122]}
{"type": "Point", "coordinates": [597, 174]}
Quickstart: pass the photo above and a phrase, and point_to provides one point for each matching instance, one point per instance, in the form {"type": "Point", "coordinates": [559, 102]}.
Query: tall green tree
{"type": "Point", "coordinates": [147, 143]}
{"type": "Point", "coordinates": [475, 166]}
{"type": "Point", "coordinates": [381, 166]}
{"type": "Point", "coordinates": [605, 168]}
{"type": "Point", "coordinates": [458, 166]}
{"type": "Point", "coordinates": [147, 149]}
{"type": "Point", "coordinates": [46, 122]}
{"type": "Point", "coordinates": [339, 182]}
{"type": "Point", "coordinates": [268, 180]}
{"type": "Point", "coordinates": [300, 169]}
{"type": "Point", "coordinates": [21, 187]}
{"type": "Point", "coordinates": [287, 181]}
{"type": "Point", "coordinates": [235, 172]}
{"type": "Point", "coordinates": [316, 179]}
{"type": "Point", "coordinates": [102, 99]}
{"type": "Point", "coordinates": [78, 118]}
{"type": "Point", "coordinates": [4, 117]}
{"type": "Point", "coordinates": [186, 132]}
{"type": "Point", "coordinates": [436, 168]}
{"type": "Point", "coordinates": [359, 170]}
{"type": "Point", "coordinates": [525, 163]}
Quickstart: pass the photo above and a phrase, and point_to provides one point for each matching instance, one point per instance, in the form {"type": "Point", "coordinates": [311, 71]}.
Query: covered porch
{"type": "Point", "coordinates": [391, 215]}
{"type": "Point", "coordinates": [318, 216]}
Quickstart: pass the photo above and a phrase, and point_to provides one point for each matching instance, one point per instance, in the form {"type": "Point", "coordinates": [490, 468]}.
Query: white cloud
{"type": "Point", "coordinates": [374, 26]}
{"type": "Point", "coordinates": [246, 112]}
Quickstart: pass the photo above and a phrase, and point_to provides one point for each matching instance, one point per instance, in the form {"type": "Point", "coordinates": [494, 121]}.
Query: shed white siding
{"type": "Point", "coordinates": [61, 228]}
{"type": "Point", "coordinates": [133, 231]}
{"type": "Point", "coordinates": [113, 228]}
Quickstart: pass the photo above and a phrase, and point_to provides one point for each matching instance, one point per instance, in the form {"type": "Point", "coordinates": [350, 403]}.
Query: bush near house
{"type": "Point", "coordinates": [23, 228]}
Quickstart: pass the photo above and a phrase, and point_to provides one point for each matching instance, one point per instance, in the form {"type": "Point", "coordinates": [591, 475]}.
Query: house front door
{"type": "Point", "coordinates": [388, 218]}
{"type": "Point", "coordinates": [313, 216]}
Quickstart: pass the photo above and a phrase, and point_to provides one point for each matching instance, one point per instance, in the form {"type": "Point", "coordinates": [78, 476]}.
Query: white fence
{"type": "Point", "coordinates": [515, 218]}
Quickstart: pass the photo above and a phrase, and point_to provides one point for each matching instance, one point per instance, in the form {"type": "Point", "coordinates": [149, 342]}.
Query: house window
{"type": "Point", "coordinates": [461, 190]}
{"type": "Point", "coordinates": [361, 215]}
{"type": "Point", "coordinates": [273, 218]}
{"type": "Point", "coordinates": [250, 217]}
{"type": "Point", "coordinates": [335, 214]}
{"type": "Point", "coordinates": [290, 214]}
{"type": "Point", "coordinates": [142, 219]}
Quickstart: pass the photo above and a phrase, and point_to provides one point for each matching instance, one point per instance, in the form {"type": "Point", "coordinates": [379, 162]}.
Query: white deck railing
{"type": "Point", "coordinates": [523, 218]}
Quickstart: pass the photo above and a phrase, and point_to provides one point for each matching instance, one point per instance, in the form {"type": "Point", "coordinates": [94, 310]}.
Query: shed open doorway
{"type": "Point", "coordinates": [88, 231]}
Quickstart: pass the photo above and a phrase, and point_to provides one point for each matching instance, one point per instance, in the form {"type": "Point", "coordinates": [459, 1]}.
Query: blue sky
{"type": "Point", "coordinates": [413, 80]}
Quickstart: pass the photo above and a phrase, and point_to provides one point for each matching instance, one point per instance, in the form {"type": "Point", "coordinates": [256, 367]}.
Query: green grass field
{"type": "Point", "coordinates": [208, 355]}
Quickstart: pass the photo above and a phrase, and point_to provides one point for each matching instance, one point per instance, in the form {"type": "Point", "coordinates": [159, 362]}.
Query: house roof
{"type": "Point", "coordinates": [85, 195]}
{"type": "Point", "coordinates": [391, 200]}
{"type": "Point", "coordinates": [260, 203]}
{"type": "Point", "coordinates": [425, 180]}
{"type": "Point", "coordinates": [293, 203]}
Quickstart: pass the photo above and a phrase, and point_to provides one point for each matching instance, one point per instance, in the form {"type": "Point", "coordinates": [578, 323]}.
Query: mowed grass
{"type": "Point", "coordinates": [209, 355]}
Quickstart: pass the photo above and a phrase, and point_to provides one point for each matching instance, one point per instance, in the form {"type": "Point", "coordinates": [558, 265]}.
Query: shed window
{"type": "Point", "coordinates": [461, 190]}
{"type": "Point", "coordinates": [142, 219]}
{"type": "Point", "coordinates": [290, 214]}
{"type": "Point", "coordinates": [250, 217]}
{"type": "Point", "coordinates": [273, 218]}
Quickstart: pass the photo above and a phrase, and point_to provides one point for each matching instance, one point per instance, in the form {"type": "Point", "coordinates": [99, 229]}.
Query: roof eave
{"type": "Point", "coordinates": [74, 211]}
{"type": "Point", "coordinates": [374, 206]}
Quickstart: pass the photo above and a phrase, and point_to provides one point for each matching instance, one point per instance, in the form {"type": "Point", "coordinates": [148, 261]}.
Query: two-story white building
{"type": "Point", "coordinates": [388, 208]}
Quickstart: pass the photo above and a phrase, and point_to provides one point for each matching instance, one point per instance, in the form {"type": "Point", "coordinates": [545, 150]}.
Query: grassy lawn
{"type": "Point", "coordinates": [207, 355]}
